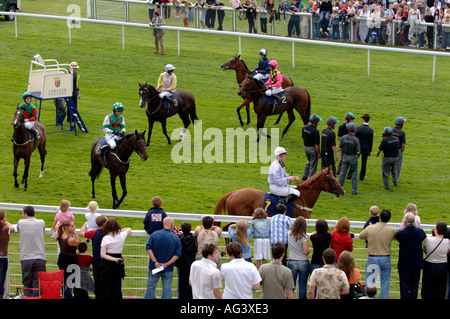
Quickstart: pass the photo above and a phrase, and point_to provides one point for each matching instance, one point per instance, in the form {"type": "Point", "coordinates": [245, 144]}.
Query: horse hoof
{"type": "Point", "coordinates": [16, 185]}
{"type": "Point", "coordinates": [41, 174]}
{"type": "Point", "coordinates": [283, 136]}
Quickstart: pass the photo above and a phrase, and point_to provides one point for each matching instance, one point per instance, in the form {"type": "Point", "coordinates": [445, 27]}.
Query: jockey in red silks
{"type": "Point", "coordinates": [274, 82]}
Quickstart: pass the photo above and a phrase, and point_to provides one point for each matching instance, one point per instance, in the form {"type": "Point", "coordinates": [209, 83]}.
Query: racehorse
{"type": "Point", "coordinates": [244, 201]}
{"type": "Point", "coordinates": [185, 107]}
{"type": "Point", "coordinates": [117, 161]}
{"type": "Point", "coordinates": [242, 71]}
{"type": "Point", "coordinates": [296, 98]}
{"type": "Point", "coordinates": [24, 145]}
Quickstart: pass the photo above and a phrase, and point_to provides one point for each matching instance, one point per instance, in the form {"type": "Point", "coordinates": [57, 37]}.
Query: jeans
{"type": "Point", "coordinates": [379, 267]}
{"type": "Point", "coordinates": [3, 271]}
{"type": "Point", "coordinates": [166, 280]}
{"type": "Point", "coordinates": [300, 269]}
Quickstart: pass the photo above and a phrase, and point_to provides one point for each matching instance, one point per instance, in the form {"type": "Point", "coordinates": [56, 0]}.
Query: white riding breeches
{"type": "Point", "coordinates": [283, 190]}
{"type": "Point", "coordinates": [274, 91]}
{"type": "Point", "coordinates": [29, 125]}
{"type": "Point", "coordinates": [111, 140]}
{"type": "Point", "coordinates": [260, 76]}
{"type": "Point", "coordinates": [164, 94]}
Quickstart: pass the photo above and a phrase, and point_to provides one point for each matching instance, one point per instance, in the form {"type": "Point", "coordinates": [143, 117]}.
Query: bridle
{"type": "Point", "coordinates": [148, 99]}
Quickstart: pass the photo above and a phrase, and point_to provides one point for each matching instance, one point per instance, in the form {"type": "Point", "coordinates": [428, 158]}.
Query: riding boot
{"type": "Point", "coordinates": [284, 200]}
{"type": "Point", "coordinates": [170, 100]}
{"type": "Point", "coordinates": [277, 99]}
{"type": "Point", "coordinates": [261, 84]}
{"type": "Point", "coordinates": [34, 134]}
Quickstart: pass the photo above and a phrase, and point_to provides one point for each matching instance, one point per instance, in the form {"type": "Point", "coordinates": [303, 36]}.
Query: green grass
{"type": "Point", "coordinates": [399, 84]}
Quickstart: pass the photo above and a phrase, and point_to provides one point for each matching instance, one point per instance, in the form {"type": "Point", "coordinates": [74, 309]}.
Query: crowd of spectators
{"type": "Point", "coordinates": [195, 253]}
{"type": "Point", "coordinates": [366, 21]}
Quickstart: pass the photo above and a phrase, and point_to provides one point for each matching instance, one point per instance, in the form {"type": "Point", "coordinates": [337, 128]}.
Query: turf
{"type": "Point", "coordinates": [336, 78]}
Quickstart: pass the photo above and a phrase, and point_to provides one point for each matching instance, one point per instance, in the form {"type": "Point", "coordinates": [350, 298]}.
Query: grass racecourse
{"type": "Point", "coordinates": [336, 78]}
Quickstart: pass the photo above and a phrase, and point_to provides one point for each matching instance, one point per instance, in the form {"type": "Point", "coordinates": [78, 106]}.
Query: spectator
{"type": "Point", "coordinates": [5, 229]}
{"type": "Point", "coordinates": [263, 17]}
{"type": "Point", "coordinates": [202, 12]}
{"type": "Point", "coordinates": [220, 13]}
{"type": "Point", "coordinates": [62, 214]}
{"type": "Point", "coordinates": [346, 263]}
{"type": "Point", "coordinates": [410, 257]}
{"type": "Point", "coordinates": [315, 13]}
{"type": "Point", "coordinates": [250, 14]}
{"type": "Point", "coordinates": [321, 240]}
{"type": "Point", "coordinates": [96, 237]}
{"type": "Point", "coordinates": [283, 7]}
{"type": "Point", "coordinates": [153, 219]}
{"type": "Point", "coordinates": [158, 33]}
{"type": "Point", "coordinates": [204, 276]}
{"type": "Point", "coordinates": [434, 277]}
{"type": "Point", "coordinates": [210, 17]}
{"type": "Point", "coordinates": [32, 250]}
{"type": "Point", "coordinates": [389, 146]}
{"type": "Point", "coordinates": [163, 248]}
{"type": "Point", "coordinates": [350, 147]}
{"type": "Point", "coordinates": [341, 237]}
{"type": "Point", "coordinates": [91, 216]}
{"type": "Point", "coordinates": [364, 15]}
{"type": "Point", "coordinates": [240, 232]}
{"type": "Point", "coordinates": [411, 208]}
{"type": "Point", "coordinates": [429, 18]}
{"type": "Point", "coordinates": [371, 291]}
{"type": "Point", "coordinates": [379, 238]}
{"type": "Point", "coordinates": [276, 279]}
{"type": "Point", "coordinates": [280, 224]}
{"type": "Point", "coordinates": [335, 32]}
{"type": "Point", "coordinates": [374, 218]}
{"type": "Point", "coordinates": [68, 241]}
{"type": "Point", "coordinates": [240, 276]}
{"type": "Point", "coordinates": [294, 20]}
{"type": "Point", "coordinates": [207, 234]}
{"type": "Point", "coordinates": [84, 261]}
{"type": "Point", "coordinates": [328, 152]}
{"type": "Point", "coordinates": [311, 142]}
{"type": "Point", "coordinates": [188, 252]}
{"type": "Point", "coordinates": [298, 255]}
{"type": "Point", "coordinates": [364, 133]}
{"type": "Point", "coordinates": [328, 282]}
{"type": "Point", "coordinates": [112, 268]}
{"type": "Point", "coordinates": [260, 228]}
{"type": "Point", "coordinates": [325, 12]}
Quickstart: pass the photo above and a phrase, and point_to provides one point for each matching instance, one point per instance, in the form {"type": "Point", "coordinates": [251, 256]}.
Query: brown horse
{"type": "Point", "coordinates": [242, 71]}
{"type": "Point", "coordinates": [296, 98]}
{"type": "Point", "coordinates": [244, 201]}
{"type": "Point", "coordinates": [185, 107]}
{"type": "Point", "coordinates": [117, 161]}
{"type": "Point", "coordinates": [24, 145]}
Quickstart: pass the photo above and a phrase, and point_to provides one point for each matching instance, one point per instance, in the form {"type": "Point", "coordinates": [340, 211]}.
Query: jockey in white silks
{"type": "Point", "coordinates": [279, 179]}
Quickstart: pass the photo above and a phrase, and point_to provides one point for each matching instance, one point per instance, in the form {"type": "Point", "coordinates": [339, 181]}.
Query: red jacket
{"type": "Point", "coordinates": [340, 242]}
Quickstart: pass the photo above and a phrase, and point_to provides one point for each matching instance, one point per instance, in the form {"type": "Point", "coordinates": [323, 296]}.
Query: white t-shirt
{"type": "Point", "coordinates": [440, 254]}
{"type": "Point", "coordinates": [204, 278]}
{"type": "Point", "coordinates": [114, 244]}
{"type": "Point", "coordinates": [239, 276]}
{"type": "Point", "coordinates": [91, 219]}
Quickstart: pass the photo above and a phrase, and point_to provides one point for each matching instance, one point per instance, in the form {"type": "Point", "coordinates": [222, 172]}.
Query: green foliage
{"type": "Point", "coordinates": [336, 78]}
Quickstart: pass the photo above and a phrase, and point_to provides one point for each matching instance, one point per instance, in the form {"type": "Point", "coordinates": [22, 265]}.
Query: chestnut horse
{"type": "Point", "coordinates": [117, 161]}
{"type": "Point", "coordinates": [296, 98]}
{"type": "Point", "coordinates": [24, 145]}
{"type": "Point", "coordinates": [243, 202]}
{"type": "Point", "coordinates": [242, 71]}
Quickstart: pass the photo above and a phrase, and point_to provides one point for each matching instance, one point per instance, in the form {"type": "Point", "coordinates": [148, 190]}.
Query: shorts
{"type": "Point", "coordinates": [261, 248]}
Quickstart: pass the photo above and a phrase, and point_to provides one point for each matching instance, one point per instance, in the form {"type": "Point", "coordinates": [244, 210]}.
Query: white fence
{"type": "Point", "coordinates": [70, 19]}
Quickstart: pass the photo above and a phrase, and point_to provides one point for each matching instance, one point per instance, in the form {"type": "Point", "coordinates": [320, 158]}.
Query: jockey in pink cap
{"type": "Point", "coordinates": [274, 81]}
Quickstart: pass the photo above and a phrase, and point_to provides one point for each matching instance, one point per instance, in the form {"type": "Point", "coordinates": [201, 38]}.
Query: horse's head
{"type": "Point", "coordinates": [19, 118]}
{"type": "Point", "coordinates": [231, 64]}
{"type": "Point", "coordinates": [246, 85]}
{"type": "Point", "coordinates": [136, 142]}
{"type": "Point", "coordinates": [146, 93]}
{"type": "Point", "coordinates": [332, 185]}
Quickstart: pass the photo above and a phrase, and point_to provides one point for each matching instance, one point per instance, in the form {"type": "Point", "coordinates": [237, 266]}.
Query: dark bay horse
{"type": "Point", "coordinates": [156, 112]}
{"type": "Point", "coordinates": [238, 65]}
{"type": "Point", "coordinates": [297, 98]}
{"type": "Point", "coordinates": [24, 145]}
{"type": "Point", "coordinates": [244, 201]}
{"type": "Point", "coordinates": [118, 162]}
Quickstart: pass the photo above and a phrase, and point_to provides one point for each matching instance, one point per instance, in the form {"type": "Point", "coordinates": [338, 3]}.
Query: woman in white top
{"type": "Point", "coordinates": [112, 268]}
{"type": "Point", "coordinates": [364, 24]}
{"type": "Point", "coordinates": [436, 249]}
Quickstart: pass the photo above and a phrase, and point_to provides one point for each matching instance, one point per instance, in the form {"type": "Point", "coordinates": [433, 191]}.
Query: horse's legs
{"type": "Point", "coordinates": [25, 173]}
{"type": "Point", "coordinates": [123, 184]}
{"type": "Point", "coordinates": [113, 189]}
{"type": "Point", "coordinates": [247, 108]}
{"type": "Point", "coordinates": [245, 103]}
{"type": "Point", "coordinates": [150, 128]}
{"type": "Point", "coordinates": [291, 117]}
{"type": "Point", "coordinates": [278, 119]}
{"type": "Point", "coordinates": [163, 125]}
{"type": "Point", "coordinates": [186, 122]}
{"type": "Point", "coordinates": [42, 153]}
{"type": "Point", "coordinates": [260, 126]}
{"type": "Point", "coordinates": [16, 164]}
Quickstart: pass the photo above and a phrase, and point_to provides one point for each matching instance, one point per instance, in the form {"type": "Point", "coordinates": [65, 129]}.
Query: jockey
{"type": "Point", "coordinates": [279, 179]}
{"type": "Point", "coordinates": [114, 126]}
{"type": "Point", "coordinates": [30, 114]}
{"type": "Point", "coordinates": [274, 81]}
{"type": "Point", "coordinates": [261, 73]}
{"type": "Point", "coordinates": [167, 82]}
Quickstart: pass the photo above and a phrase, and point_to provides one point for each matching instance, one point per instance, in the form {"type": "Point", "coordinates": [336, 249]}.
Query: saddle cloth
{"type": "Point", "coordinates": [270, 203]}
{"type": "Point", "coordinates": [168, 105]}
{"type": "Point", "coordinates": [283, 97]}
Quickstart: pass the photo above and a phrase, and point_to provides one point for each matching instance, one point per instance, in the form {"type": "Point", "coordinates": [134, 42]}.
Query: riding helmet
{"type": "Point", "coordinates": [349, 116]}
{"type": "Point", "coordinates": [26, 94]}
{"type": "Point", "coordinates": [400, 120]}
{"type": "Point", "coordinates": [351, 127]}
{"type": "Point", "coordinates": [279, 150]}
{"type": "Point", "coordinates": [117, 107]}
{"type": "Point", "coordinates": [332, 120]}
{"type": "Point", "coordinates": [273, 63]}
{"type": "Point", "coordinates": [387, 131]}
{"type": "Point", "coordinates": [263, 52]}
{"type": "Point", "coordinates": [315, 118]}
{"type": "Point", "coordinates": [169, 67]}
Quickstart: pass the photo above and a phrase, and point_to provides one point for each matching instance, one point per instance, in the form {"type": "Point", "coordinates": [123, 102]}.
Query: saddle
{"type": "Point", "coordinates": [271, 201]}
{"type": "Point", "coordinates": [170, 101]}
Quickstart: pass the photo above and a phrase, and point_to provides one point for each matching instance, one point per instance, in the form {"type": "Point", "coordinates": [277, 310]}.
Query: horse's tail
{"type": "Point", "coordinates": [308, 109]}
{"type": "Point", "coordinates": [292, 81]}
{"type": "Point", "coordinates": [95, 168]}
{"type": "Point", "coordinates": [193, 114]}
{"type": "Point", "coordinates": [221, 206]}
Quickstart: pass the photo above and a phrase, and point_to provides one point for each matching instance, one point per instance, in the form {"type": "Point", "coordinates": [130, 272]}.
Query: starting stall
{"type": "Point", "coordinates": [50, 80]}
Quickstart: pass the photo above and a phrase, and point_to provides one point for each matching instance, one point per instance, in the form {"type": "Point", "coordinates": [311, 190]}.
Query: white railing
{"type": "Point", "coordinates": [239, 35]}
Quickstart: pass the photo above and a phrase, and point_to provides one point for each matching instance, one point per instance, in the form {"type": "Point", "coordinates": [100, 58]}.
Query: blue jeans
{"type": "Point", "coordinates": [379, 266]}
{"type": "Point", "coordinates": [166, 280]}
{"type": "Point", "coordinates": [301, 269]}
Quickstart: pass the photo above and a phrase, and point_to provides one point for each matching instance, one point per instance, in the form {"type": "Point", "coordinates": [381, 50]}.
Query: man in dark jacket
{"type": "Point", "coordinates": [153, 220]}
{"type": "Point", "coordinates": [410, 257]}
{"type": "Point", "coordinates": [364, 133]}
